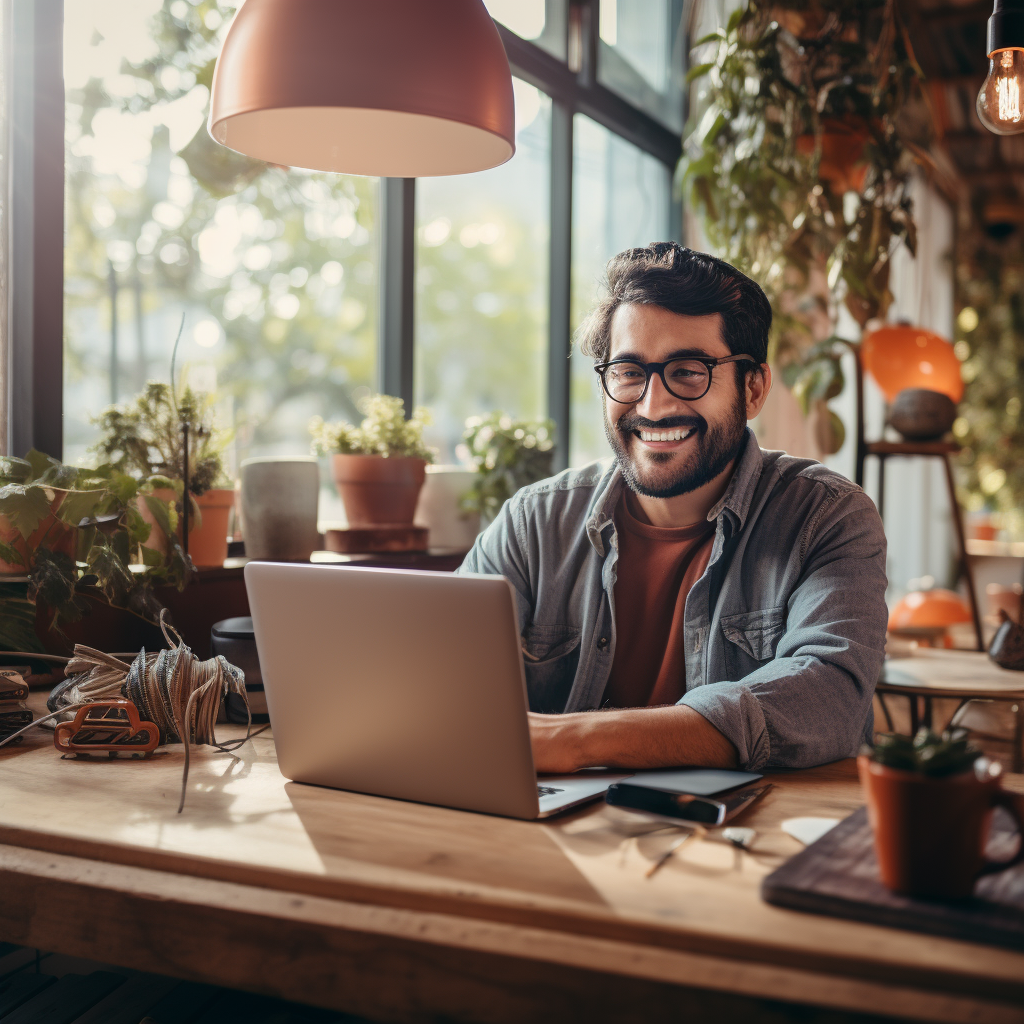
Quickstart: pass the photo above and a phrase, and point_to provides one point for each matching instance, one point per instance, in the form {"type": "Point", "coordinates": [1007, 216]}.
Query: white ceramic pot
{"type": "Point", "coordinates": [439, 511]}
{"type": "Point", "coordinates": [279, 508]}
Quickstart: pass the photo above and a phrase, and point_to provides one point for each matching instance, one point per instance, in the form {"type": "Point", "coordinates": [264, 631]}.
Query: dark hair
{"type": "Point", "coordinates": [682, 281]}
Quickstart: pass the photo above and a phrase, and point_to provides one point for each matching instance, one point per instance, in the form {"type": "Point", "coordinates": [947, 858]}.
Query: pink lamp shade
{"type": "Point", "coordinates": [395, 88]}
{"type": "Point", "coordinates": [901, 356]}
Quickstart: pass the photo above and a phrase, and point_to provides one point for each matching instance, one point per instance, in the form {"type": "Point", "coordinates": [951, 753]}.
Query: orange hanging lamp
{"type": "Point", "coordinates": [393, 88]}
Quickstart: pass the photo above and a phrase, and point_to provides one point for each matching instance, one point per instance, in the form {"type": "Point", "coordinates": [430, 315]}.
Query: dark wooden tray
{"type": "Point", "coordinates": [838, 875]}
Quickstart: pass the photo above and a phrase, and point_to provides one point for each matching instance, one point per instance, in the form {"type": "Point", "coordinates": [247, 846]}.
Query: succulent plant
{"type": "Point", "coordinates": [926, 753]}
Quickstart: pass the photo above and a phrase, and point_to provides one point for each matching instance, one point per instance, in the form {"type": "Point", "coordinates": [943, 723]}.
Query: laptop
{"type": "Point", "coordinates": [403, 683]}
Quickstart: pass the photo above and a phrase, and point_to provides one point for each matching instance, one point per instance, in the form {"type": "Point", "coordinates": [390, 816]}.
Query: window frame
{"type": "Point", "coordinates": [35, 230]}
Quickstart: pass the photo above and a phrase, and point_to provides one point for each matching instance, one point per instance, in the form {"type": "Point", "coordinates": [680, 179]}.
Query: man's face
{"type": "Point", "coordinates": [712, 428]}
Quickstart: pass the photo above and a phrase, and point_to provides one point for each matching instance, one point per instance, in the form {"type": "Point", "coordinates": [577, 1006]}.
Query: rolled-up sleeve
{"type": "Point", "coordinates": [811, 703]}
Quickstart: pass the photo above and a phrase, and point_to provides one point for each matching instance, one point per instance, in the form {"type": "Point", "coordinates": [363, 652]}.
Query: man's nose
{"type": "Point", "coordinates": [659, 402]}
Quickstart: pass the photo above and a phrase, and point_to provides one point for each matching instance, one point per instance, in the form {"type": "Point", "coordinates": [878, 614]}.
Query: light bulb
{"type": "Point", "coordinates": [1001, 100]}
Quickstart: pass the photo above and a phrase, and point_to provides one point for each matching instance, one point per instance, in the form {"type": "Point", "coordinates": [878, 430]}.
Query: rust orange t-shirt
{"type": "Point", "coordinates": [657, 566]}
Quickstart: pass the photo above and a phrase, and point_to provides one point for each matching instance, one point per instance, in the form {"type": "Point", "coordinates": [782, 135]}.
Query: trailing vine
{"type": "Point", "coordinates": [798, 164]}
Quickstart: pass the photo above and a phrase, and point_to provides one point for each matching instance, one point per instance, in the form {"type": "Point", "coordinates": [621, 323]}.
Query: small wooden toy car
{"type": "Point", "coordinates": [110, 725]}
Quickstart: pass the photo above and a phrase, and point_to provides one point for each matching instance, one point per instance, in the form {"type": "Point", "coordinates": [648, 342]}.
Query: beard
{"type": "Point", "coordinates": [715, 446]}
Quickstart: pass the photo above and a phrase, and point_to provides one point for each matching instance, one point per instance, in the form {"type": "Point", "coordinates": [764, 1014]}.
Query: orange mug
{"type": "Point", "coordinates": [931, 833]}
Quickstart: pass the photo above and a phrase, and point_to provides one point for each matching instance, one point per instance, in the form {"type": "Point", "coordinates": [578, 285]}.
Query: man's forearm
{"type": "Point", "coordinates": [665, 737]}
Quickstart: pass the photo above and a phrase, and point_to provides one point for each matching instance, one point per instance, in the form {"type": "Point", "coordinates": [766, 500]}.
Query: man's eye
{"type": "Point", "coordinates": [627, 373]}
{"type": "Point", "coordinates": [685, 373]}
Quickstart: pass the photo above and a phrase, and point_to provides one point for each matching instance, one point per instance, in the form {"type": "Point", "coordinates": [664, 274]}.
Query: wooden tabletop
{"type": "Point", "coordinates": [569, 891]}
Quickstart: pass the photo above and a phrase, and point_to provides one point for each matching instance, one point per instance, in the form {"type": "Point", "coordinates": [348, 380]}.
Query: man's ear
{"type": "Point", "coordinates": [757, 384]}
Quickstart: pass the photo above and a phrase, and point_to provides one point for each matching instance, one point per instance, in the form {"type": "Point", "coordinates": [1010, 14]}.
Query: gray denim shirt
{"type": "Point", "coordinates": [785, 630]}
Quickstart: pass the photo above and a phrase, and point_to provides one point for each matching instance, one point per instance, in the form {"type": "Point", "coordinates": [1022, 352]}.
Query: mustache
{"type": "Point", "coordinates": [630, 422]}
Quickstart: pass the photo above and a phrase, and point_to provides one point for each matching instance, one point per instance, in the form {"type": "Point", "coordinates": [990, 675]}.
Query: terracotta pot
{"type": "Point", "coordinates": [207, 542]}
{"type": "Point", "coordinates": [842, 162]}
{"type": "Point", "coordinates": [58, 537]}
{"type": "Point", "coordinates": [377, 490]}
{"type": "Point", "coordinates": [930, 833]}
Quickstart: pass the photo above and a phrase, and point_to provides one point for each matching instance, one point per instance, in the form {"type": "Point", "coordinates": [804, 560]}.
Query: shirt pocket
{"type": "Point", "coordinates": [551, 656]}
{"type": "Point", "coordinates": [753, 637]}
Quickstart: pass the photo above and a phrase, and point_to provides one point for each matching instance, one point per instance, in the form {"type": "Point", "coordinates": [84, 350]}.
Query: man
{"type": "Point", "coordinates": [696, 600]}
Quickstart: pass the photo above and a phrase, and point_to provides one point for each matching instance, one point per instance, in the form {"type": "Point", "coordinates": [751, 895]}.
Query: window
{"type": "Point", "coordinates": [481, 283]}
{"type": "Point", "coordinates": [620, 200]}
{"type": "Point", "coordinates": [641, 51]}
{"type": "Point", "coordinates": [281, 275]}
{"type": "Point", "coordinates": [541, 21]}
{"type": "Point", "coordinates": [274, 271]}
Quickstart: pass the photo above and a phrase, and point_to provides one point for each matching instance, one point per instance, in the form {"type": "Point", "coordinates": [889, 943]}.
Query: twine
{"type": "Point", "coordinates": [173, 689]}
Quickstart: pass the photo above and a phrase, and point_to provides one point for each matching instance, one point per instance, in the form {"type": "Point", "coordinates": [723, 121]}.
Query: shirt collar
{"type": "Point", "coordinates": [737, 498]}
{"type": "Point", "coordinates": [740, 492]}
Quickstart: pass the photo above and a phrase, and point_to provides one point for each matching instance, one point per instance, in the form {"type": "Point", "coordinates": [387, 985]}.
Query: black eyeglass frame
{"type": "Point", "coordinates": [659, 368]}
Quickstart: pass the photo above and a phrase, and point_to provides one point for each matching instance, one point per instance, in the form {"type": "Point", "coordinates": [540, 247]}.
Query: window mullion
{"type": "Point", "coordinates": [397, 289]}
{"type": "Point", "coordinates": [36, 228]}
{"type": "Point", "coordinates": [560, 280]}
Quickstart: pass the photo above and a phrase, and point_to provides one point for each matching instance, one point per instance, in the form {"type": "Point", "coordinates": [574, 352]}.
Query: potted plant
{"type": "Point", "coordinates": [508, 454]}
{"type": "Point", "coordinates": [64, 527]}
{"type": "Point", "coordinates": [378, 466]}
{"type": "Point", "coordinates": [146, 440]}
{"type": "Point", "coordinates": [930, 801]}
{"type": "Point", "coordinates": [798, 163]}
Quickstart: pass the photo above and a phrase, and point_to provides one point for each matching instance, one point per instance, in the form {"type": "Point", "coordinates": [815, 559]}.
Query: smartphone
{"type": "Point", "coordinates": [703, 810]}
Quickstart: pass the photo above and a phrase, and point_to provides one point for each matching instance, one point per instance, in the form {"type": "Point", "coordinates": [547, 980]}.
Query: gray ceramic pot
{"type": "Point", "coordinates": [279, 508]}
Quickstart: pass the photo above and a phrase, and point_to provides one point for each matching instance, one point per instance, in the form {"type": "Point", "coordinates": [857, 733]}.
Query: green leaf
{"type": "Point", "coordinates": [79, 505]}
{"type": "Point", "coordinates": [53, 581]}
{"type": "Point", "coordinates": [25, 506]}
{"type": "Point", "coordinates": [163, 513]}
{"type": "Point", "coordinates": [735, 18]}
{"type": "Point", "coordinates": [698, 71]}
{"type": "Point", "coordinates": [40, 462]}
{"type": "Point", "coordinates": [14, 470]}
{"type": "Point", "coordinates": [11, 554]}
{"type": "Point", "coordinates": [152, 558]}
{"type": "Point", "coordinates": [712, 37]}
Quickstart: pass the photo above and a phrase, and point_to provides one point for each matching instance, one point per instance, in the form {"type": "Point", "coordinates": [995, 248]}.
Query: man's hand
{"type": "Point", "coordinates": [664, 737]}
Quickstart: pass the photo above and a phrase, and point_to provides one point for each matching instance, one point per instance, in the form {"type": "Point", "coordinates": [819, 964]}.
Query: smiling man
{"type": "Point", "coordinates": [696, 600]}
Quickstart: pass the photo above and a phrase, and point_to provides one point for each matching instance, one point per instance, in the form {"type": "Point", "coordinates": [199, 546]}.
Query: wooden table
{"type": "Point", "coordinates": [404, 912]}
{"type": "Point", "coordinates": [960, 675]}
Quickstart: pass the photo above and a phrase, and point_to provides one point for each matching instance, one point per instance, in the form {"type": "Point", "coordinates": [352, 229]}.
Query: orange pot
{"type": "Point", "coordinates": [842, 162]}
{"type": "Point", "coordinates": [207, 542]}
{"type": "Point", "coordinates": [930, 833]}
{"type": "Point", "coordinates": [376, 490]}
{"type": "Point", "coordinates": [57, 535]}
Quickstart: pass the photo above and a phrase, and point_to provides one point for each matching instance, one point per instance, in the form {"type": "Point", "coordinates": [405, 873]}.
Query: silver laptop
{"type": "Point", "coordinates": [403, 684]}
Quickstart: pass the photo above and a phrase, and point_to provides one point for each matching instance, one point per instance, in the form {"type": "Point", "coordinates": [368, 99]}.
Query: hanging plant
{"type": "Point", "coordinates": [799, 167]}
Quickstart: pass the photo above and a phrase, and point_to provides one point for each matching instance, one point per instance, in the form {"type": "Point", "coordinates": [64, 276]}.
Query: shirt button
{"type": "Point", "coordinates": [602, 643]}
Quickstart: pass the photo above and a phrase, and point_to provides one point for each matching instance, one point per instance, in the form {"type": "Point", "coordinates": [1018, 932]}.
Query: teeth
{"type": "Point", "coordinates": [665, 435]}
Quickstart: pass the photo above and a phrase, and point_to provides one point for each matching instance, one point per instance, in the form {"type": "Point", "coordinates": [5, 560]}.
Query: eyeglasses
{"type": "Point", "coordinates": [626, 380]}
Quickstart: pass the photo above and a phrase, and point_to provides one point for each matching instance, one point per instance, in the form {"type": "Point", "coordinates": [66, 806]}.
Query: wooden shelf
{"type": "Point", "coordinates": [912, 448]}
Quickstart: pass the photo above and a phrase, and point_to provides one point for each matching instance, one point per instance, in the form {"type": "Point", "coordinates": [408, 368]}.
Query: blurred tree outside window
{"type": "Point", "coordinates": [275, 270]}
{"type": "Point", "coordinates": [620, 200]}
{"type": "Point", "coordinates": [482, 282]}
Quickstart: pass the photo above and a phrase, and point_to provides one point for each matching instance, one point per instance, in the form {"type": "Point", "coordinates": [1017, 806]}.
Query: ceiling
{"type": "Point", "coordinates": [949, 41]}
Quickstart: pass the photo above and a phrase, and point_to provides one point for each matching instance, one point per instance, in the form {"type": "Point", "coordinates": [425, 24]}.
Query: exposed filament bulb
{"type": "Point", "coordinates": [999, 102]}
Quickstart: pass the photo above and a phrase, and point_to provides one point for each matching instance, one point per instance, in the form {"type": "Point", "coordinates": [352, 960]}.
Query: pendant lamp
{"type": "Point", "coordinates": [901, 356]}
{"type": "Point", "coordinates": [1001, 99]}
{"type": "Point", "coordinates": [391, 88]}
